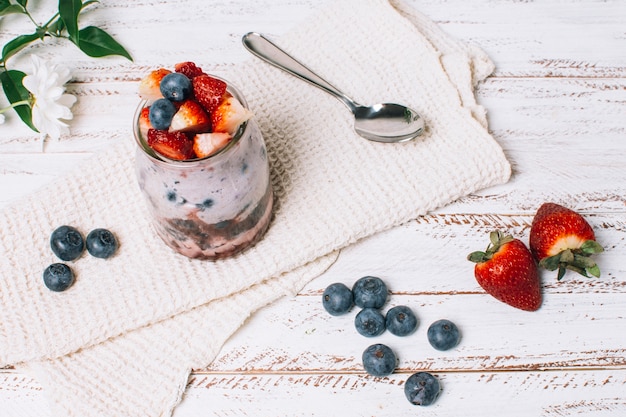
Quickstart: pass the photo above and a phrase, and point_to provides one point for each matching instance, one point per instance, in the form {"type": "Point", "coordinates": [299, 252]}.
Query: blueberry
{"type": "Point", "coordinates": [401, 321]}
{"type": "Point", "coordinates": [369, 292]}
{"type": "Point", "coordinates": [58, 277]}
{"type": "Point", "coordinates": [67, 243]}
{"type": "Point", "coordinates": [370, 322]}
{"type": "Point", "coordinates": [206, 204]}
{"type": "Point", "coordinates": [161, 113]}
{"type": "Point", "coordinates": [443, 335]}
{"type": "Point", "coordinates": [101, 243]}
{"type": "Point", "coordinates": [337, 299]}
{"type": "Point", "coordinates": [421, 388]}
{"type": "Point", "coordinates": [379, 360]}
{"type": "Point", "coordinates": [176, 87]}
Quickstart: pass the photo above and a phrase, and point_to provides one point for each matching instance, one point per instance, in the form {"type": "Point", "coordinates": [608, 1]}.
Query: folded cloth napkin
{"type": "Point", "coordinates": [124, 338]}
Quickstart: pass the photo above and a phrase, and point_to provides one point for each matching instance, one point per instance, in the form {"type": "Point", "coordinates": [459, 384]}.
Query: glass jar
{"type": "Point", "coordinates": [208, 208]}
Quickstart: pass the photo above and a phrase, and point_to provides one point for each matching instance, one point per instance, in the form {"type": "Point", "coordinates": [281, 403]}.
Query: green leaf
{"type": "Point", "coordinates": [55, 28]}
{"type": "Point", "coordinates": [591, 247]}
{"type": "Point", "coordinates": [17, 44]}
{"type": "Point", "coordinates": [584, 261]}
{"type": "Point", "coordinates": [96, 43]}
{"type": "Point", "coordinates": [15, 92]}
{"type": "Point", "coordinates": [567, 256]}
{"type": "Point", "coordinates": [69, 11]}
{"type": "Point", "coordinates": [551, 263]}
{"type": "Point", "coordinates": [8, 8]}
{"type": "Point", "coordinates": [22, 3]}
{"type": "Point", "coordinates": [478, 257]}
{"type": "Point", "coordinates": [577, 269]}
{"type": "Point", "coordinates": [595, 271]}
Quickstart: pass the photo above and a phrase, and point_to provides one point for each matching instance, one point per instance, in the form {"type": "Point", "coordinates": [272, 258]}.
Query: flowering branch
{"type": "Point", "coordinates": [39, 103]}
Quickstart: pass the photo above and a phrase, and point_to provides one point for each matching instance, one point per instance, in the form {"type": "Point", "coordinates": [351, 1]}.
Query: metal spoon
{"type": "Point", "coordinates": [385, 122]}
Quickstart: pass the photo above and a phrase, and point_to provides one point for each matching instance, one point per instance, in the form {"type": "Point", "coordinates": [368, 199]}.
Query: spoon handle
{"type": "Point", "coordinates": [260, 46]}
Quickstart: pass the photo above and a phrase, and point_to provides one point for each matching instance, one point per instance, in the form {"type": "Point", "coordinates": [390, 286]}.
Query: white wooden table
{"type": "Point", "coordinates": [556, 104]}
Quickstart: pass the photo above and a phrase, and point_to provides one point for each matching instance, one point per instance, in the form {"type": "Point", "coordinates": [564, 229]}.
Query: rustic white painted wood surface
{"type": "Point", "coordinates": [557, 105]}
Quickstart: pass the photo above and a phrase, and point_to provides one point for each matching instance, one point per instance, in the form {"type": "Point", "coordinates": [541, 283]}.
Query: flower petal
{"type": "Point", "coordinates": [51, 103]}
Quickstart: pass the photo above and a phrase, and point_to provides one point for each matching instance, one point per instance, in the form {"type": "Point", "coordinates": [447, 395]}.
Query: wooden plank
{"type": "Point", "coordinates": [569, 333]}
{"type": "Point", "coordinates": [597, 393]}
{"type": "Point", "coordinates": [523, 394]}
{"type": "Point", "coordinates": [538, 39]}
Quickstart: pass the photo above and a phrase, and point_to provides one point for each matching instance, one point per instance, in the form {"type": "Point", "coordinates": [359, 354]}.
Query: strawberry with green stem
{"type": "Point", "coordinates": [507, 271]}
{"type": "Point", "coordinates": [561, 239]}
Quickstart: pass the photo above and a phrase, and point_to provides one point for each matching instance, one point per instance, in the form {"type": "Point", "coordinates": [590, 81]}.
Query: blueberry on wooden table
{"type": "Point", "coordinates": [58, 277]}
{"type": "Point", "coordinates": [337, 299]}
{"type": "Point", "coordinates": [401, 321]}
{"type": "Point", "coordinates": [421, 388]}
{"type": "Point", "coordinates": [379, 360]}
{"type": "Point", "coordinates": [369, 292]}
{"type": "Point", "coordinates": [443, 335]}
{"type": "Point", "coordinates": [101, 243]}
{"type": "Point", "coordinates": [67, 243]}
{"type": "Point", "coordinates": [370, 322]}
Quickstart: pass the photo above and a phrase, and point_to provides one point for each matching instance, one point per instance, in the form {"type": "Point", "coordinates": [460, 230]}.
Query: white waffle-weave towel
{"type": "Point", "coordinates": [140, 320]}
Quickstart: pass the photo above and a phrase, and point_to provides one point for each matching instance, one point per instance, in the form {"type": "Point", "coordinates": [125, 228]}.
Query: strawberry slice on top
{"type": "Point", "coordinates": [188, 68]}
{"type": "Point", "coordinates": [144, 122]}
{"type": "Point", "coordinates": [561, 239]}
{"type": "Point", "coordinates": [207, 144]}
{"type": "Point", "coordinates": [208, 91]}
{"type": "Point", "coordinates": [190, 117]}
{"type": "Point", "coordinates": [150, 85]}
{"type": "Point", "coordinates": [172, 145]}
{"type": "Point", "coordinates": [229, 115]}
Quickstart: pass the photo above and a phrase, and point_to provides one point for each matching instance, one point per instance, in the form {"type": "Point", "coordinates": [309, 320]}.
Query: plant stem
{"type": "Point", "coordinates": [17, 103]}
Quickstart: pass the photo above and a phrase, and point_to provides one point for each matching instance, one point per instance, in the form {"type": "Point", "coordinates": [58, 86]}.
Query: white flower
{"type": "Point", "coordinates": [1, 118]}
{"type": "Point", "coordinates": [50, 103]}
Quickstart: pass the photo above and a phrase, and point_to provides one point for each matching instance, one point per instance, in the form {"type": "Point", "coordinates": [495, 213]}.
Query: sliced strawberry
{"type": "Point", "coordinates": [507, 271]}
{"type": "Point", "coordinates": [208, 91]}
{"type": "Point", "coordinates": [172, 145]}
{"type": "Point", "coordinates": [189, 69]}
{"type": "Point", "coordinates": [149, 85]}
{"type": "Point", "coordinates": [191, 118]}
{"type": "Point", "coordinates": [229, 115]}
{"type": "Point", "coordinates": [562, 239]}
{"type": "Point", "coordinates": [144, 122]}
{"type": "Point", "coordinates": [206, 144]}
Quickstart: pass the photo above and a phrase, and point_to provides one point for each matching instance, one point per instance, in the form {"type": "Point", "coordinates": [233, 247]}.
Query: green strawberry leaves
{"type": "Point", "coordinates": [576, 260]}
{"type": "Point", "coordinates": [496, 240]}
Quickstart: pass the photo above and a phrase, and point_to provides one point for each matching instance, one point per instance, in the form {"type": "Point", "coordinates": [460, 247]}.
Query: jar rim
{"type": "Point", "coordinates": [155, 156]}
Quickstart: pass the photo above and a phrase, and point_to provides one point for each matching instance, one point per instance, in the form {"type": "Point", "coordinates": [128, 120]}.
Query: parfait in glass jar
{"type": "Point", "coordinates": [201, 163]}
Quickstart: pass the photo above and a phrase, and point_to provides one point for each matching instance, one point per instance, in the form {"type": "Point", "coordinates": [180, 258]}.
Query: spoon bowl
{"type": "Point", "coordinates": [386, 122]}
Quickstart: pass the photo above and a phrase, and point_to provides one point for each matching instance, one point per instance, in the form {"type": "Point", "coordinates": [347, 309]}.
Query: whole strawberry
{"type": "Point", "coordinates": [507, 271]}
{"type": "Point", "coordinates": [562, 239]}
